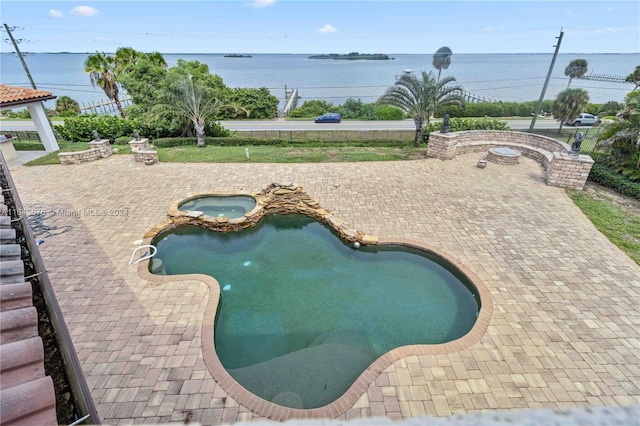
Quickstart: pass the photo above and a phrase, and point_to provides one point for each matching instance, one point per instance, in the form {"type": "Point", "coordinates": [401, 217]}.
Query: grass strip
{"type": "Point", "coordinates": [278, 154]}
{"type": "Point", "coordinates": [622, 228]}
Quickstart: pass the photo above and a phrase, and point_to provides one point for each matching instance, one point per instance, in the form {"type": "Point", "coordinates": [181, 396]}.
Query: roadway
{"type": "Point", "coordinates": [541, 123]}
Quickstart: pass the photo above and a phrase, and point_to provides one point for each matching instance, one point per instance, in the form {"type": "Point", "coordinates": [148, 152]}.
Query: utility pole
{"type": "Point", "coordinates": [546, 82]}
{"type": "Point", "coordinates": [24, 64]}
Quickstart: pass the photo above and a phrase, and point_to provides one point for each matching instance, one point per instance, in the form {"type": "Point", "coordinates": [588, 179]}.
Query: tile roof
{"type": "Point", "coordinates": [14, 95]}
{"type": "Point", "coordinates": [27, 394]}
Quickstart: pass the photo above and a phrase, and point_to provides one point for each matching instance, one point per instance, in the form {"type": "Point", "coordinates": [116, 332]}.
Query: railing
{"type": "Point", "coordinates": [145, 255]}
{"type": "Point", "coordinates": [607, 78]}
{"type": "Point", "coordinates": [103, 107]}
{"type": "Point", "coordinates": [292, 101]}
{"type": "Point", "coordinates": [473, 98]}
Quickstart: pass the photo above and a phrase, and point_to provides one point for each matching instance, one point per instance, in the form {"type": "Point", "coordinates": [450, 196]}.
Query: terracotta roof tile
{"type": "Point", "coordinates": [15, 94]}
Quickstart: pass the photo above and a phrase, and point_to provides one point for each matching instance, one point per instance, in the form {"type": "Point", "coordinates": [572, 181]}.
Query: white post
{"type": "Point", "coordinates": [45, 131]}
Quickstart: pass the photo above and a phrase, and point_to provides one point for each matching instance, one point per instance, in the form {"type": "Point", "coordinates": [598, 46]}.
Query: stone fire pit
{"type": "Point", "coordinates": [503, 155]}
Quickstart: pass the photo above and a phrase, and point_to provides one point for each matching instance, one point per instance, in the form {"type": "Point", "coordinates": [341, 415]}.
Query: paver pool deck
{"type": "Point", "coordinates": [565, 328]}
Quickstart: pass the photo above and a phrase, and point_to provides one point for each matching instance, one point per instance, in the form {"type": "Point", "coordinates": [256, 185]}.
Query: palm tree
{"type": "Point", "coordinates": [156, 58]}
{"type": "Point", "coordinates": [125, 59]}
{"type": "Point", "coordinates": [189, 99]}
{"type": "Point", "coordinates": [634, 77]}
{"type": "Point", "coordinates": [576, 69]}
{"type": "Point", "coordinates": [569, 104]}
{"type": "Point", "coordinates": [65, 103]}
{"type": "Point", "coordinates": [103, 72]}
{"type": "Point", "coordinates": [420, 98]}
{"type": "Point", "coordinates": [442, 59]}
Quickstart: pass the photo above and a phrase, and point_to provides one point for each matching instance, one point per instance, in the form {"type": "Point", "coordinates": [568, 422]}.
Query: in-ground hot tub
{"type": "Point", "coordinates": [231, 206]}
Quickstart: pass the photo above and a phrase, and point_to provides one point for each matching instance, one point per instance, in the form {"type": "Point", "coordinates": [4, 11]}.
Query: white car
{"type": "Point", "coordinates": [585, 120]}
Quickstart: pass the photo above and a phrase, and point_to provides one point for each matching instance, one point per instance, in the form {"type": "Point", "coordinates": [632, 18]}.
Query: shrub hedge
{"type": "Point", "coordinates": [601, 174]}
{"type": "Point", "coordinates": [460, 124]}
{"type": "Point", "coordinates": [78, 129]}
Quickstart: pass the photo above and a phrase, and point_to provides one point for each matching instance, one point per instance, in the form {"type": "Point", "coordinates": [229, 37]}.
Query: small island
{"type": "Point", "coordinates": [353, 56]}
{"type": "Point", "coordinates": [237, 55]}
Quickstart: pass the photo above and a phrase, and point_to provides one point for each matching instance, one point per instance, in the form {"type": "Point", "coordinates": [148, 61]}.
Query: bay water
{"type": "Point", "coordinates": [504, 77]}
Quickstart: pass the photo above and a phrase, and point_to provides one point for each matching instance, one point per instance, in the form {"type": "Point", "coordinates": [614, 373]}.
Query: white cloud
{"type": "Point", "coordinates": [263, 3]}
{"type": "Point", "coordinates": [327, 29]}
{"type": "Point", "coordinates": [84, 11]}
{"type": "Point", "coordinates": [55, 14]}
{"type": "Point", "coordinates": [609, 30]}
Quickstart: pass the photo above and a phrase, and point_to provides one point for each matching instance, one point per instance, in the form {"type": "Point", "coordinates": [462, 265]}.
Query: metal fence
{"type": "Point", "coordinates": [31, 135]}
{"type": "Point", "coordinates": [567, 135]}
{"type": "Point", "coordinates": [590, 142]}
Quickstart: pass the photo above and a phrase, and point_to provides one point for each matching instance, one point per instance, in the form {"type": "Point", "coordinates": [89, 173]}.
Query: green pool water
{"type": "Point", "coordinates": [303, 314]}
{"type": "Point", "coordinates": [231, 206]}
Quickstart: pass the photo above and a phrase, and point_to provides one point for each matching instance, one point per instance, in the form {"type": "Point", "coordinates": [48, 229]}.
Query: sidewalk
{"type": "Point", "coordinates": [24, 157]}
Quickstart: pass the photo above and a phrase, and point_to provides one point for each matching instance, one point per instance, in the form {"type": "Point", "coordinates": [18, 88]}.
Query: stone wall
{"type": "Point", "coordinates": [562, 169]}
{"type": "Point", "coordinates": [78, 157]}
{"type": "Point", "coordinates": [99, 149]}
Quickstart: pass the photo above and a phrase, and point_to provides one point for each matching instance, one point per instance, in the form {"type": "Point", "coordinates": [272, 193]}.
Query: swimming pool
{"type": "Point", "coordinates": [302, 314]}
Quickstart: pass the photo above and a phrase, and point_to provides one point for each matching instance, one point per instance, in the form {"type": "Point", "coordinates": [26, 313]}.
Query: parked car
{"type": "Point", "coordinates": [331, 117]}
{"type": "Point", "coordinates": [585, 120]}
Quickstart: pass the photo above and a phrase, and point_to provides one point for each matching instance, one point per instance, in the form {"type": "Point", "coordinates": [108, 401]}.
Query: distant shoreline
{"type": "Point", "coordinates": [312, 54]}
{"type": "Point", "coordinates": [354, 56]}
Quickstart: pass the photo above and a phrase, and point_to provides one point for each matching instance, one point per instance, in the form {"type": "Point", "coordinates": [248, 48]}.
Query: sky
{"type": "Point", "coordinates": [300, 26]}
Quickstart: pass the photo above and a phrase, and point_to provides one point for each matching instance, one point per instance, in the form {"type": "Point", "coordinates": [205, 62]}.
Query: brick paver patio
{"type": "Point", "coordinates": [565, 329]}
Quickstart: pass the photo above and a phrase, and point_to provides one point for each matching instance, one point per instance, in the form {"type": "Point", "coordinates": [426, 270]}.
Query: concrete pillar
{"type": "Point", "coordinates": [43, 126]}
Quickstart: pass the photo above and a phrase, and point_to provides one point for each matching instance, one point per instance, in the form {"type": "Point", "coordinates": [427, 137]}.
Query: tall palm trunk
{"type": "Point", "coordinates": [200, 136]}
{"type": "Point", "coordinates": [419, 130]}
{"type": "Point", "coordinates": [119, 106]}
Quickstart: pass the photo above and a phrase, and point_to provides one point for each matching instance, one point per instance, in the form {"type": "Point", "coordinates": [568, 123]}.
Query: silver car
{"type": "Point", "coordinates": [585, 120]}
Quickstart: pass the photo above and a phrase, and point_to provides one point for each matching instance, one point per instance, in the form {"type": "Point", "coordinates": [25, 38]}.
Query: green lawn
{"type": "Point", "coordinates": [258, 154]}
{"type": "Point", "coordinates": [620, 226]}
{"type": "Point", "coordinates": [279, 154]}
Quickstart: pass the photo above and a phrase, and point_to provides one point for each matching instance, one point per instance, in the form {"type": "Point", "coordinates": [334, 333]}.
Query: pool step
{"type": "Point", "coordinates": [309, 378]}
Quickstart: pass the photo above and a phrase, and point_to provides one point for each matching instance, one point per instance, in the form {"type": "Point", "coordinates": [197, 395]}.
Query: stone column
{"type": "Point", "coordinates": [104, 147]}
{"type": "Point", "coordinates": [569, 171]}
{"type": "Point", "coordinates": [142, 144]}
{"type": "Point", "coordinates": [442, 145]}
